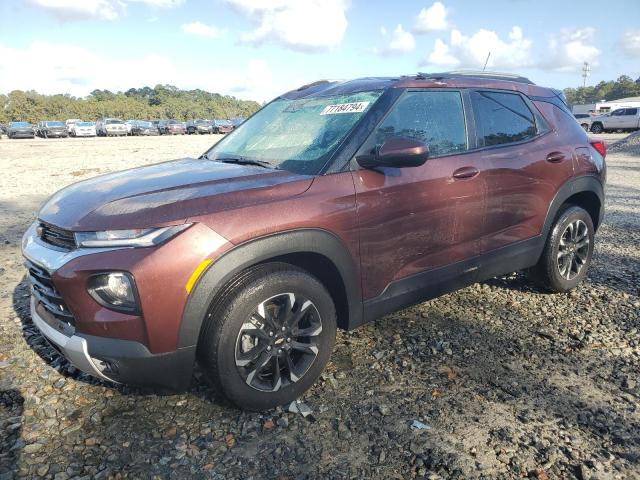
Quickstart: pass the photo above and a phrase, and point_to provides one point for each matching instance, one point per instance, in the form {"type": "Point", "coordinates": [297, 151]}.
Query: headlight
{"type": "Point", "coordinates": [139, 237]}
{"type": "Point", "coordinates": [114, 290]}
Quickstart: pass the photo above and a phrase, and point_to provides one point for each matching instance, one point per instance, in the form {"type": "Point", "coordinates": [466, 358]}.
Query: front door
{"type": "Point", "coordinates": [416, 219]}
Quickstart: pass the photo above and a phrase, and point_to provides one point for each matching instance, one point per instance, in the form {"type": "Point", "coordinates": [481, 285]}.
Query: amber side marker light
{"type": "Point", "coordinates": [196, 274]}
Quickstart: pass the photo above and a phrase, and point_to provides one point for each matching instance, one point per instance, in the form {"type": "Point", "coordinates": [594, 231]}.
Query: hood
{"type": "Point", "coordinates": [166, 193]}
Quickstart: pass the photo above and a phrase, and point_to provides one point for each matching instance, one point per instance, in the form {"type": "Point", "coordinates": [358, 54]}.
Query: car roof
{"type": "Point", "coordinates": [463, 79]}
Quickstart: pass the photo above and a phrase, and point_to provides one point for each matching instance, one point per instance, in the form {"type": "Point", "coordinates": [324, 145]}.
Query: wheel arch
{"type": "Point", "coordinates": [586, 192]}
{"type": "Point", "coordinates": [318, 251]}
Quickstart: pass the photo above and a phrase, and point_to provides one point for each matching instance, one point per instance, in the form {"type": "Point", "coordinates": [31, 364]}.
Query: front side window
{"type": "Point", "coordinates": [502, 118]}
{"type": "Point", "coordinates": [433, 117]}
{"type": "Point", "coordinates": [296, 135]}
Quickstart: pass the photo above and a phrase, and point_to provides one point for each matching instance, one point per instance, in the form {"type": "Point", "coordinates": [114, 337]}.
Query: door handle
{"type": "Point", "coordinates": [465, 172]}
{"type": "Point", "coordinates": [555, 157]}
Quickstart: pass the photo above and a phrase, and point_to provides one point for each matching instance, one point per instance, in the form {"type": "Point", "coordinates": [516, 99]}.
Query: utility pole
{"type": "Point", "coordinates": [586, 71]}
{"type": "Point", "coordinates": [486, 61]}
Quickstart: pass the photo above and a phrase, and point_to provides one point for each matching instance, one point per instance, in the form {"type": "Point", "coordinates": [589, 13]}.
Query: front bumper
{"type": "Point", "coordinates": [119, 361]}
{"type": "Point", "coordinates": [74, 348]}
{"type": "Point", "coordinates": [133, 349]}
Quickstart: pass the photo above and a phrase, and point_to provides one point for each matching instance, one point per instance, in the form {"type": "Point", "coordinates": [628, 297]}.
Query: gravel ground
{"type": "Point", "coordinates": [497, 380]}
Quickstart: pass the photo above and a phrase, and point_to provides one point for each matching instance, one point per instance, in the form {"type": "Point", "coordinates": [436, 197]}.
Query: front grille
{"type": "Point", "coordinates": [47, 296]}
{"type": "Point", "coordinates": [56, 236]}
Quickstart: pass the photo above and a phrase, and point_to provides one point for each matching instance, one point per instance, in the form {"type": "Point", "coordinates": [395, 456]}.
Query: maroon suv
{"type": "Point", "coordinates": [335, 204]}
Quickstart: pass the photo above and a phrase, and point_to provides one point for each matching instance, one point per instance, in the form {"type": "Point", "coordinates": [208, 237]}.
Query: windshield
{"type": "Point", "coordinates": [112, 121]}
{"type": "Point", "coordinates": [84, 124]}
{"type": "Point", "coordinates": [295, 135]}
{"type": "Point", "coordinates": [144, 124]}
{"type": "Point", "coordinates": [55, 124]}
{"type": "Point", "coordinates": [19, 124]}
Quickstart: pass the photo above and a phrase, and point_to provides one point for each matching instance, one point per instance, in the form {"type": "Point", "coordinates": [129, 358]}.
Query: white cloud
{"type": "Point", "coordinates": [432, 19]}
{"type": "Point", "coordinates": [202, 30]}
{"type": "Point", "coordinates": [305, 25]}
{"type": "Point", "coordinates": [80, 71]}
{"type": "Point", "coordinates": [401, 42]}
{"type": "Point", "coordinates": [569, 48]}
{"type": "Point", "coordinates": [96, 9]}
{"type": "Point", "coordinates": [630, 43]}
{"type": "Point", "coordinates": [471, 52]}
{"type": "Point", "coordinates": [441, 56]}
{"type": "Point", "coordinates": [159, 3]}
{"type": "Point", "coordinates": [82, 10]}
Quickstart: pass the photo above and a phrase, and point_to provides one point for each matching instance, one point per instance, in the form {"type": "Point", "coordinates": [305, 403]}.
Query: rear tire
{"type": "Point", "coordinates": [567, 253]}
{"type": "Point", "coordinates": [268, 336]}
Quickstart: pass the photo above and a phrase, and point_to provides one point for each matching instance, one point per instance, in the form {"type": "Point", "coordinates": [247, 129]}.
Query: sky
{"type": "Point", "coordinates": [258, 49]}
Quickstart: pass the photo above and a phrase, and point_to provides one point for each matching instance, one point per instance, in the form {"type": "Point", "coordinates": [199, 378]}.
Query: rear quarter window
{"type": "Point", "coordinates": [502, 118]}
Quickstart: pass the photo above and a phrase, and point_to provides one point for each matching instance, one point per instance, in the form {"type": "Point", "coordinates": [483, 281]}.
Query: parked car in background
{"type": "Point", "coordinates": [144, 127]}
{"type": "Point", "coordinates": [235, 122]}
{"type": "Point", "coordinates": [83, 129]}
{"type": "Point", "coordinates": [51, 129]}
{"type": "Point", "coordinates": [111, 127]}
{"type": "Point", "coordinates": [222, 126]}
{"type": "Point", "coordinates": [171, 127]}
{"type": "Point", "coordinates": [69, 123]}
{"type": "Point", "coordinates": [584, 119]}
{"type": "Point", "coordinates": [20, 130]}
{"type": "Point", "coordinates": [627, 119]}
{"type": "Point", "coordinates": [129, 124]}
{"type": "Point", "coordinates": [199, 126]}
{"type": "Point", "coordinates": [332, 206]}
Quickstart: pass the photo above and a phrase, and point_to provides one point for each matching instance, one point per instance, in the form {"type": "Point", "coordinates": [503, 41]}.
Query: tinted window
{"type": "Point", "coordinates": [435, 118]}
{"type": "Point", "coordinates": [502, 118]}
{"type": "Point", "coordinates": [618, 113]}
{"type": "Point", "coordinates": [631, 111]}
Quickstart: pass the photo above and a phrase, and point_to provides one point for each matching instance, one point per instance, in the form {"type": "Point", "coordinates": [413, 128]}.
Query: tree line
{"type": "Point", "coordinates": [623, 87]}
{"type": "Point", "coordinates": [162, 101]}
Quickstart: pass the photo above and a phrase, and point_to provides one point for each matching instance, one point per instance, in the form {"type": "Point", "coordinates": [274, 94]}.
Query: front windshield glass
{"type": "Point", "coordinates": [55, 124]}
{"type": "Point", "coordinates": [295, 135]}
{"type": "Point", "coordinates": [19, 124]}
{"type": "Point", "coordinates": [144, 124]}
{"type": "Point", "coordinates": [113, 121]}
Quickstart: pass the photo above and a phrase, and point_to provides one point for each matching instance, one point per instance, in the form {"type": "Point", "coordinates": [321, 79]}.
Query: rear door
{"type": "Point", "coordinates": [525, 165]}
{"type": "Point", "coordinates": [630, 118]}
{"type": "Point", "coordinates": [416, 219]}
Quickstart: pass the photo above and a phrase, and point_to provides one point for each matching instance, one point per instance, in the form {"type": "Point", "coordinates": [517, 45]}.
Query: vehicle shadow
{"type": "Point", "coordinates": [11, 419]}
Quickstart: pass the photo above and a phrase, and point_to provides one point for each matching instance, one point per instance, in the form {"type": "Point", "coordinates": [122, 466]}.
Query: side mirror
{"type": "Point", "coordinates": [396, 152]}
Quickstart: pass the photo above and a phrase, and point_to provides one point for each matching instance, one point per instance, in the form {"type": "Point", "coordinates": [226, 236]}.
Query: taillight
{"type": "Point", "coordinates": [600, 146]}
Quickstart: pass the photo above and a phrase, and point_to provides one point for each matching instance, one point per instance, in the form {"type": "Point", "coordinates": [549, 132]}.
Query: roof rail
{"type": "Point", "coordinates": [478, 74]}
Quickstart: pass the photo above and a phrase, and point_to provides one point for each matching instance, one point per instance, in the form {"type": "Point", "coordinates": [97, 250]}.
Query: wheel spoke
{"type": "Point", "coordinates": [276, 381]}
{"type": "Point", "coordinates": [312, 331]}
{"type": "Point", "coordinates": [292, 376]}
{"type": "Point", "coordinates": [261, 364]}
{"type": "Point", "coordinates": [245, 358]}
{"type": "Point", "coordinates": [310, 348]}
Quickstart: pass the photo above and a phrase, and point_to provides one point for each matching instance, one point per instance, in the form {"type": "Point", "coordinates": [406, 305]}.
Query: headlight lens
{"type": "Point", "coordinates": [115, 290]}
{"type": "Point", "coordinates": [139, 237]}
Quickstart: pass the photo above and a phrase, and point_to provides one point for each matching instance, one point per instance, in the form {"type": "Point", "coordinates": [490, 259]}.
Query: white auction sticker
{"type": "Point", "coordinates": [356, 107]}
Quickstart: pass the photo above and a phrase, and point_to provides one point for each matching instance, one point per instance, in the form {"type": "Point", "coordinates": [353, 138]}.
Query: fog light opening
{"type": "Point", "coordinates": [114, 290]}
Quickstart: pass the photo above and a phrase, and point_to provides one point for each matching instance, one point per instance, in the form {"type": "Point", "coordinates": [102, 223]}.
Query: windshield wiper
{"type": "Point", "coordinates": [245, 161]}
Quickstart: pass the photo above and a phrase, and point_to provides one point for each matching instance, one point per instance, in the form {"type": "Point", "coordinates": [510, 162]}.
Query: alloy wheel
{"type": "Point", "coordinates": [573, 250]}
{"type": "Point", "coordinates": [277, 344]}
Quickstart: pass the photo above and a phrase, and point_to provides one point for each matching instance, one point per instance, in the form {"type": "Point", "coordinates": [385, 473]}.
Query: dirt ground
{"type": "Point", "coordinates": [504, 381]}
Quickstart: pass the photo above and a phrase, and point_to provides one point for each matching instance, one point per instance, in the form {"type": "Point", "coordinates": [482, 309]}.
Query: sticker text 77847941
{"type": "Point", "coordinates": [355, 107]}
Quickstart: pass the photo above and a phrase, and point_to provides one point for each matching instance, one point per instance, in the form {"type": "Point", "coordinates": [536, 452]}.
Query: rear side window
{"type": "Point", "coordinates": [435, 118]}
{"type": "Point", "coordinates": [631, 111]}
{"type": "Point", "coordinates": [502, 118]}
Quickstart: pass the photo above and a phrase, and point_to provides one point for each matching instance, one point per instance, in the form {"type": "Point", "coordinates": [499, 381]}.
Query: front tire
{"type": "Point", "coordinates": [597, 128]}
{"type": "Point", "coordinates": [568, 251]}
{"type": "Point", "coordinates": [268, 336]}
